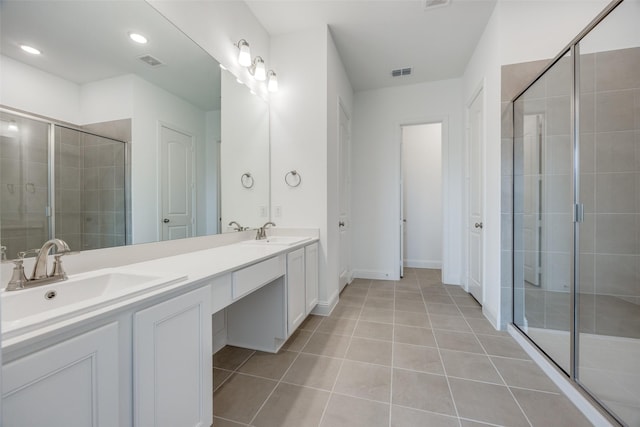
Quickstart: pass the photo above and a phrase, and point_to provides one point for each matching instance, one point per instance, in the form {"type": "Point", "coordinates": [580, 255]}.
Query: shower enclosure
{"type": "Point", "coordinates": [576, 259]}
{"type": "Point", "coordinates": [59, 181]}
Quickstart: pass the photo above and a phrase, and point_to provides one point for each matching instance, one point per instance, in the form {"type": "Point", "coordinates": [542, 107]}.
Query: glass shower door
{"type": "Point", "coordinates": [24, 189]}
{"type": "Point", "coordinates": [608, 351]}
{"type": "Point", "coordinates": [543, 221]}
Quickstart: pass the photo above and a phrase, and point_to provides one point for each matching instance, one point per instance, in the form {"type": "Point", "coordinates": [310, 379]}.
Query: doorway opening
{"type": "Point", "coordinates": [421, 226]}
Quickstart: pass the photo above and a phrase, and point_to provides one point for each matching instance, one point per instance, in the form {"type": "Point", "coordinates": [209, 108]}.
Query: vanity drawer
{"type": "Point", "coordinates": [220, 293]}
{"type": "Point", "coordinates": [250, 278]}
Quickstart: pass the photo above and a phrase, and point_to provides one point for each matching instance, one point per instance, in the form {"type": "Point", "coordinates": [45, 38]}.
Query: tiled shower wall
{"type": "Point", "coordinates": [89, 190]}
{"type": "Point", "coordinates": [610, 184]}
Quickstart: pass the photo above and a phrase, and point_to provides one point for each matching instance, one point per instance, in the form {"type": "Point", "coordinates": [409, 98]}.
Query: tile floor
{"type": "Point", "coordinates": [409, 353]}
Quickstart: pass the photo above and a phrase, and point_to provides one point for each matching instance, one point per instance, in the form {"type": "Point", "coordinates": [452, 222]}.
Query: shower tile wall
{"type": "Point", "coordinates": [23, 184]}
{"type": "Point", "coordinates": [610, 177]}
{"type": "Point", "coordinates": [68, 178]}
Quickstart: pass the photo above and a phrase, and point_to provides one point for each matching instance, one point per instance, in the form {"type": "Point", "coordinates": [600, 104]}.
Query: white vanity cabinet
{"type": "Point", "coordinates": [296, 302]}
{"type": "Point", "coordinates": [72, 383]}
{"type": "Point", "coordinates": [311, 276]}
{"type": "Point", "coordinates": [302, 285]}
{"type": "Point", "coordinates": [172, 362]}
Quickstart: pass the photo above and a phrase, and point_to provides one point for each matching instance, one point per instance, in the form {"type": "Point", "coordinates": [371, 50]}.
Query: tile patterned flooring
{"type": "Point", "coordinates": [409, 353]}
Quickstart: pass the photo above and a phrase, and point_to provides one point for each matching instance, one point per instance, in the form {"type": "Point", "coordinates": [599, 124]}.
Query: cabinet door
{"type": "Point", "coordinates": [295, 289]}
{"type": "Point", "coordinates": [73, 383]}
{"type": "Point", "coordinates": [173, 373]}
{"type": "Point", "coordinates": [311, 276]}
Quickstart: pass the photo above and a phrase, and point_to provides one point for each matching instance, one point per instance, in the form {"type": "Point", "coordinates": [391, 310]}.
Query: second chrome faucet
{"type": "Point", "coordinates": [261, 233]}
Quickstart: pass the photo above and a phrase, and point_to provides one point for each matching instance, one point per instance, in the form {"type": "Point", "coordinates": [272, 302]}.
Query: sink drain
{"type": "Point", "coordinates": [50, 295]}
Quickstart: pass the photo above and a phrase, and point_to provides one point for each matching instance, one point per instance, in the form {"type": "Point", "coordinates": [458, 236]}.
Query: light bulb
{"type": "Point", "coordinates": [244, 57]}
{"type": "Point", "coordinates": [30, 49]}
{"type": "Point", "coordinates": [260, 73]}
{"type": "Point", "coordinates": [138, 38]}
{"type": "Point", "coordinates": [272, 85]}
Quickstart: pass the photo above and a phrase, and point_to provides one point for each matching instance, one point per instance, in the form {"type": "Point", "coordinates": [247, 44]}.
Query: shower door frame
{"type": "Point", "coordinates": [51, 186]}
{"type": "Point", "coordinates": [573, 49]}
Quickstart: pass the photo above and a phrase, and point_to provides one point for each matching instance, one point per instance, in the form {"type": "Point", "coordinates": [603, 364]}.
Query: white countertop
{"type": "Point", "coordinates": [195, 266]}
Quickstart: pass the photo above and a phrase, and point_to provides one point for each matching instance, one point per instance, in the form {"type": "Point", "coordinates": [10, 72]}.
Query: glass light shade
{"type": "Point", "coordinates": [260, 72]}
{"type": "Point", "coordinates": [244, 57]}
{"type": "Point", "coordinates": [272, 85]}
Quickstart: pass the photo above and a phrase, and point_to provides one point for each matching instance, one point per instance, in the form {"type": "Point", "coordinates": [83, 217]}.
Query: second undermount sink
{"type": "Point", "coordinates": [279, 240]}
{"type": "Point", "coordinates": [27, 309]}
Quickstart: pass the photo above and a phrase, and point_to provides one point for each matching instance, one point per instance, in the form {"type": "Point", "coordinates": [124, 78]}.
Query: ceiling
{"type": "Point", "coordinates": [374, 37]}
{"type": "Point", "coordinates": [87, 41]}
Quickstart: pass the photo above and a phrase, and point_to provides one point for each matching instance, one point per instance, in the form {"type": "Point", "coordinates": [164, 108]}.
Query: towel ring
{"type": "Point", "coordinates": [293, 178]}
{"type": "Point", "coordinates": [246, 180]}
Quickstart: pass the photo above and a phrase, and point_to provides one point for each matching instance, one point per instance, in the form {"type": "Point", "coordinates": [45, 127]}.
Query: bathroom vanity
{"type": "Point", "coordinates": [137, 349]}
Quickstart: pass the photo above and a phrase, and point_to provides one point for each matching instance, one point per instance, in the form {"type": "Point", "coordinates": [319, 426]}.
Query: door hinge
{"type": "Point", "coordinates": [578, 212]}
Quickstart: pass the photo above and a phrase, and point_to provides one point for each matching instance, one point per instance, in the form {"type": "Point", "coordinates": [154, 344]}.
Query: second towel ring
{"type": "Point", "coordinates": [293, 178]}
{"type": "Point", "coordinates": [246, 180]}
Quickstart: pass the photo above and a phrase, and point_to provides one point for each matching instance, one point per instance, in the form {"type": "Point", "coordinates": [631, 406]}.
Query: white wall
{"type": "Point", "coordinates": [377, 120]}
{"type": "Point", "coordinates": [245, 149]}
{"type": "Point", "coordinates": [106, 100]}
{"type": "Point", "coordinates": [422, 185]}
{"type": "Point", "coordinates": [212, 154]}
{"type": "Point", "coordinates": [299, 138]}
{"type": "Point", "coordinates": [518, 31]}
{"type": "Point", "coordinates": [29, 89]}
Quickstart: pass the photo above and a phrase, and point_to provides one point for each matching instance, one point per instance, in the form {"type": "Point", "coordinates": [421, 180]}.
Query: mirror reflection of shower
{"type": "Point", "coordinates": [58, 181]}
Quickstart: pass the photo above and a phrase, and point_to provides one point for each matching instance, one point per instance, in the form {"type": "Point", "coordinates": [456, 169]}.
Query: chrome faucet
{"type": "Point", "coordinates": [39, 275]}
{"type": "Point", "coordinates": [238, 227]}
{"type": "Point", "coordinates": [262, 231]}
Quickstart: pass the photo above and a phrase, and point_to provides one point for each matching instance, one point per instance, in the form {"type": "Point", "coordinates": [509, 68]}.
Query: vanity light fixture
{"type": "Point", "coordinates": [12, 126]}
{"type": "Point", "coordinates": [258, 69]}
{"type": "Point", "coordinates": [272, 84]}
{"type": "Point", "coordinates": [30, 49]}
{"type": "Point", "coordinates": [138, 38]}
{"type": "Point", "coordinates": [244, 56]}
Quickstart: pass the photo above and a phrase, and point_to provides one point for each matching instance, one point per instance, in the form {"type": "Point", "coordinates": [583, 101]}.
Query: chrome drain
{"type": "Point", "coordinates": [50, 295]}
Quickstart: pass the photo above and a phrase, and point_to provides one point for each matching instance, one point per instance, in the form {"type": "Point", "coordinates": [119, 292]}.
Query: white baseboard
{"type": "Point", "coordinates": [491, 317]}
{"type": "Point", "coordinates": [423, 263]}
{"type": "Point", "coordinates": [561, 381]}
{"type": "Point", "coordinates": [324, 308]}
{"type": "Point", "coordinates": [373, 275]}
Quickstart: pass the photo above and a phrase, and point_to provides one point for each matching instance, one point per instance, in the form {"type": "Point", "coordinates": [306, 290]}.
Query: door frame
{"type": "Point", "coordinates": [480, 88]}
{"type": "Point", "coordinates": [445, 184]}
{"type": "Point", "coordinates": [342, 106]}
{"type": "Point", "coordinates": [159, 172]}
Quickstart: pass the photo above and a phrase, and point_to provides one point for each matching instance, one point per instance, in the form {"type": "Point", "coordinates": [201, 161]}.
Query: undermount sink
{"type": "Point", "coordinates": [278, 240]}
{"type": "Point", "coordinates": [27, 309]}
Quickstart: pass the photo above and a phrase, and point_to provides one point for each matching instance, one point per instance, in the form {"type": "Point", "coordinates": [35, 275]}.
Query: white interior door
{"type": "Point", "coordinates": [177, 184]}
{"type": "Point", "coordinates": [344, 185]}
{"type": "Point", "coordinates": [476, 189]}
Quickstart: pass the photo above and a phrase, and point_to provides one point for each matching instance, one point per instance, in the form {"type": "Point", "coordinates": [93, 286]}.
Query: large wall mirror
{"type": "Point", "coordinates": [105, 141]}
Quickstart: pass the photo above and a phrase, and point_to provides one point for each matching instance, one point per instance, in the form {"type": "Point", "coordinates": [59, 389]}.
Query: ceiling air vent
{"type": "Point", "coordinates": [432, 4]}
{"type": "Point", "coordinates": [150, 60]}
{"type": "Point", "coordinates": [401, 72]}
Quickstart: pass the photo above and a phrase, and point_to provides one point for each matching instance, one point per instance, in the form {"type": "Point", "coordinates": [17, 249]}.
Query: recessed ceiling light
{"type": "Point", "coordinates": [30, 49]}
{"type": "Point", "coordinates": [138, 38]}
